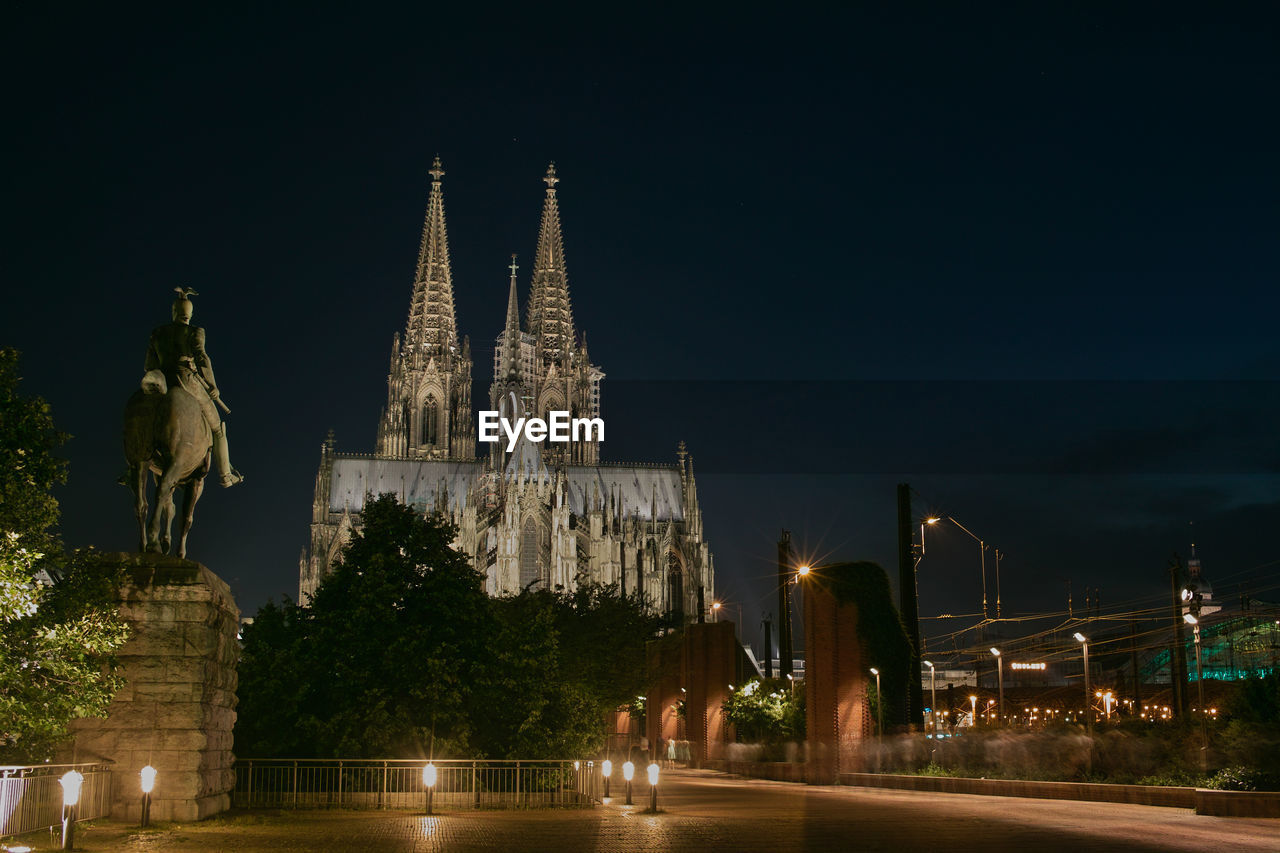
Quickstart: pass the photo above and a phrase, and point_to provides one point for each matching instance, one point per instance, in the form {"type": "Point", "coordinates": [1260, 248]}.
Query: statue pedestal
{"type": "Point", "coordinates": [177, 710]}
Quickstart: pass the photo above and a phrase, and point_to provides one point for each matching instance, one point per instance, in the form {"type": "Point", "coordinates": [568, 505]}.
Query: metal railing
{"type": "Point", "coordinates": [398, 784]}
{"type": "Point", "coordinates": [31, 798]}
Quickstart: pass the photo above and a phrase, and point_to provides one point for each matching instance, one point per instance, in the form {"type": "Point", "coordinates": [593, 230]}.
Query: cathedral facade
{"type": "Point", "coordinates": [539, 515]}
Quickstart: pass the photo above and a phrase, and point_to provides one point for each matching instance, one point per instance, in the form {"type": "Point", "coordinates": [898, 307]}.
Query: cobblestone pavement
{"type": "Point", "coordinates": [709, 813]}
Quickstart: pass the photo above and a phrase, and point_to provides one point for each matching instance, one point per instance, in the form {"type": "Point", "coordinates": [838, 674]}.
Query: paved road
{"type": "Point", "coordinates": [709, 813]}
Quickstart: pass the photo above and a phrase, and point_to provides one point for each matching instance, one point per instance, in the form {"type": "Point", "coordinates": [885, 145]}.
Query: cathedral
{"type": "Point", "coordinates": [538, 515]}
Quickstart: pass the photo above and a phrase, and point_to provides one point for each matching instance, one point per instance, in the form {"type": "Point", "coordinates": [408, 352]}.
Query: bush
{"type": "Point", "coordinates": [1240, 778]}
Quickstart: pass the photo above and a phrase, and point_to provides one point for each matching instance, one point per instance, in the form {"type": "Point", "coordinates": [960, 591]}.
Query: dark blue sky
{"type": "Point", "coordinates": [1024, 260]}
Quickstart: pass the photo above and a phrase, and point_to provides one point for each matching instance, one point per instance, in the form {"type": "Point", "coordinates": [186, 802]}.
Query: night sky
{"type": "Point", "coordinates": [1025, 261]}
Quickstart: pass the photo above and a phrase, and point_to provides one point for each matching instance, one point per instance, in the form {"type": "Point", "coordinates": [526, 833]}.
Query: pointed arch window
{"type": "Point", "coordinates": [529, 547]}
{"type": "Point", "coordinates": [675, 591]}
{"type": "Point", "coordinates": [430, 421]}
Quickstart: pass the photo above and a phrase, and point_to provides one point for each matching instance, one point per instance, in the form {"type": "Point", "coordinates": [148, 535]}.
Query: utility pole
{"type": "Point", "coordinates": [785, 573]}
{"type": "Point", "coordinates": [768, 647]}
{"type": "Point", "coordinates": [1137, 678]}
{"type": "Point", "coordinates": [1178, 658]}
{"type": "Point", "coordinates": [909, 607]}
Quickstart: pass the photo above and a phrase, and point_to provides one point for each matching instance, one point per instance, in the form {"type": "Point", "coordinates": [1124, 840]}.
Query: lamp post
{"type": "Point", "coordinates": [1000, 678]}
{"type": "Point", "coordinates": [148, 777]}
{"type": "Point", "coordinates": [982, 557]}
{"type": "Point", "coordinates": [973, 712]}
{"type": "Point", "coordinates": [879, 704]}
{"type": "Point", "coordinates": [429, 781]}
{"type": "Point", "coordinates": [933, 696]}
{"type": "Point", "coordinates": [1088, 695]}
{"type": "Point", "coordinates": [628, 770]}
{"type": "Point", "coordinates": [1204, 731]}
{"type": "Point", "coordinates": [70, 782]}
{"type": "Point", "coordinates": [606, 769]}
{"type": "Point", "coordinates": [653, 788]}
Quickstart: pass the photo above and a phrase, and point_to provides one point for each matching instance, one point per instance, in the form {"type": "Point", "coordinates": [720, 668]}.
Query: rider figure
{"type": "Point", "coordinates": [177, 350]}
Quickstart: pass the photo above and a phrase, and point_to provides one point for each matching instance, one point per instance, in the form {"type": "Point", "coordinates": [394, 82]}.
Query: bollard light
{"type": "Point", "coordinates": [628, 770]}
{"type": "Point", "coordinates": [606, 768]}
{"type": "Point", "coordinates": [653, 774]}
{"type": "Point", "coordinates": [148, 778]}
{"type": "Point", "coordinates": [653, 787]}
{"type": "Point", "coordinates": [429, 780]}
{"type": "Point", "coordinates": [70, 782]}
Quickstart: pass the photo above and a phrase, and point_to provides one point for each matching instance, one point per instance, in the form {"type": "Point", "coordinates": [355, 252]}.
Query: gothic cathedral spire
{"type": "Point", "coordinates": [550, 311]}
{"type": "Point", "coordinates": [510, 359]}
{"type": "Point", "coordinates": [433, 327]}
{"type": "Point", "coordinates": [428, 412]}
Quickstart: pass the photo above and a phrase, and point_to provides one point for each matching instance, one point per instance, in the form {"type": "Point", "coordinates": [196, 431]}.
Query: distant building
{"type": "Point", "coordinates": [544, 515]}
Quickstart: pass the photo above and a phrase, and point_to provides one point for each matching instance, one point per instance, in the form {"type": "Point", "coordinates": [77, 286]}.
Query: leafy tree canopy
{"type": "Point", "coordinates": [57, 642]}
{"type": "Point", "coordinates": [767, 711]}
{"type": "Point", "coordinates": [401, 653]}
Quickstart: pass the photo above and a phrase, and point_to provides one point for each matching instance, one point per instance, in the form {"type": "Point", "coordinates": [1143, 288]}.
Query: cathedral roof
{"type": "Point", "coordinates": [639, 491]}
{"type": "Point", "coordinates": [415, 482]}
{"type": "Point", "coordinates": [642, 490]}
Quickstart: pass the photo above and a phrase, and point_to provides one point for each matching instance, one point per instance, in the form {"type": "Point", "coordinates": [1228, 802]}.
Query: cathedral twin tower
{"type": "Point", "coordinates": [533, 515]}
{"type": "Point", "coordinates": [542, 367]}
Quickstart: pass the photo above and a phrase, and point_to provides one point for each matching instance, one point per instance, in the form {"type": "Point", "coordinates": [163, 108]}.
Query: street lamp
{"type": "Point", "coordinates": [879, 704]}
{"type": "Point", "coordinates": [628, 770]}
{"type": "Point", "coordinates": [1088, 700]}
{"type": "Point", "coordinates": [1000, 677]}
{"type": "Point", "coordinates": [70, 782]}
{"type": "Point", "coordinates": [606, 769]}
{"type": "Point", "coordinates": [933, 695]}
{"type": "Point", "coordinates": [148, 778]}
{"type": "Point", "coordinates": [973, 712]}
{"type": "Point", "coordinates": [653, 787]}
{"type": "Point", "coordinates": [429, 780]}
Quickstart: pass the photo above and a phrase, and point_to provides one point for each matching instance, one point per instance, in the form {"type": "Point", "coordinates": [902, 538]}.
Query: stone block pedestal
{"type": "Point", "coordinates": [177, 710]}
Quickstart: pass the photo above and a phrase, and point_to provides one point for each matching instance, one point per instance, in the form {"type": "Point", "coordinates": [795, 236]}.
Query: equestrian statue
{"type": "Point", "coordinates": [172, 428]}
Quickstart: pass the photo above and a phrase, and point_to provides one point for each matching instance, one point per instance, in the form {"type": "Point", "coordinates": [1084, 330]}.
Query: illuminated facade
{"type": "Point", "coordinates": [541, 515]}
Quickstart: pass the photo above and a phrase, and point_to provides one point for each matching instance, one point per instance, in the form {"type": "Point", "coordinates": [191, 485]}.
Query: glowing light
{"type": "Point", "coordinates": [71, 782]}
{"type": "Point", "coordinates": [803, 571]}
{"type": "Point", "coordinates": [653, 774]}
{"type": "Point", "coordinates": [995, 651]}
{"type": "Point", "coordinates": [148, 775]}
{"type": "Point", "coordinates": [577, 766]}
{"type": "Point", "coordinates": [628, 770]}
{"type": "Point", "coordinates": [429, 775]}
{"type": "Point", "coordinates": [1190, 620]}
{"type": "Point", "coordinates": [1014, 665]}
{"type": "Point", "coordinates": [1081, 638]}
{"type": "Point", "coordinates": [927, 663]}
{"type": "Point", "coordinates": [875, 671]}
{"type": "Point", "coordinates": [606, 767]}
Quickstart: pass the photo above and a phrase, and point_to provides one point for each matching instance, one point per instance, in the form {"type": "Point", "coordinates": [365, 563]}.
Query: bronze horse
{"type": "Point", "coordinates": [167, 436]}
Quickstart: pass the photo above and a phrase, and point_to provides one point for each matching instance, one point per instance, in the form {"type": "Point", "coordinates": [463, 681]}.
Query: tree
{"type": "Point", "coordinates": [401, 653]}
{"type": "Point", "coordinates": [28, 467]}
{"type": "Point", "coordinates": [767, 711]}
{"type": "Point", "coordinates": [384, 658]}
{"type": "Point", "coordinates": [57, 638]}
